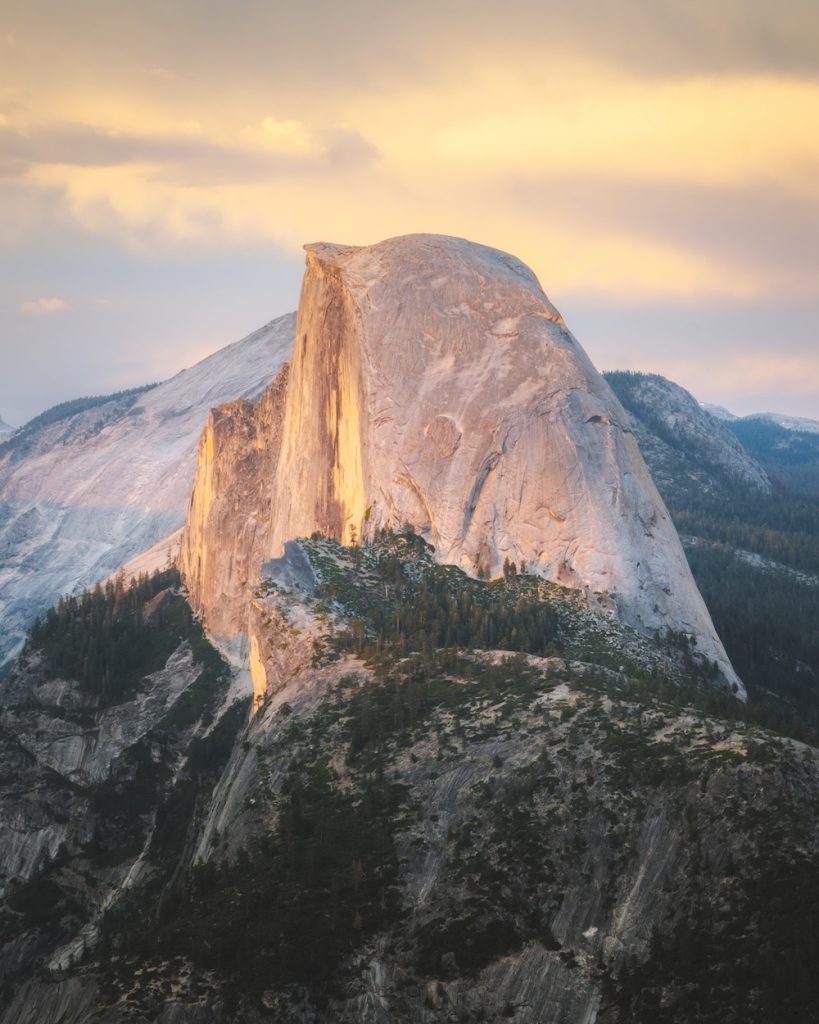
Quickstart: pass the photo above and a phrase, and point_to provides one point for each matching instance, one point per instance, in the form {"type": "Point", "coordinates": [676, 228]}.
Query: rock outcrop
{"type": "Point", "coordinates": [232, 510]}
{"type": "Point", "coordinates": [433, 383]}
{"type": "Point", "coordinates": [58, 744]}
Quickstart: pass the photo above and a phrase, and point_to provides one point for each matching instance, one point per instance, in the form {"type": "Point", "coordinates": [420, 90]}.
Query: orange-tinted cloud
{"type": "Point", "coordinates": [638, 153]}
{"type": "Point", "coordinates": [438, 154]}
{"type": "Point", "coordinates": [44, 307]}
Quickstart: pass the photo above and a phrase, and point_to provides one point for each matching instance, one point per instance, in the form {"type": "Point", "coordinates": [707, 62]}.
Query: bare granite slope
{"type": "Point", "coordinates": [81, 496]}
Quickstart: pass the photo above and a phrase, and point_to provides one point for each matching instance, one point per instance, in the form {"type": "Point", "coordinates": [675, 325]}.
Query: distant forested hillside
{"type": "Point", "coordinates": [789, 456]}
{"type": "Point", "coordinates": [754, 555]}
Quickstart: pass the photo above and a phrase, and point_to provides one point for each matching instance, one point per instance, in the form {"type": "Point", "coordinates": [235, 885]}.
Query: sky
{"type": "Point", "coordinates": [656, 163]}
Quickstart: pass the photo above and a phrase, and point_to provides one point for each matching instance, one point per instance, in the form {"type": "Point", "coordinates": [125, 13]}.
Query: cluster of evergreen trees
{"type": "Point", "coordinates": [444, 608]}
{"type": "Point", "coordinates": [769, 623]}
{"type": "Point", "coordinates": [783, 527]}
{"type": "Point", "coordinates": [103, 639]}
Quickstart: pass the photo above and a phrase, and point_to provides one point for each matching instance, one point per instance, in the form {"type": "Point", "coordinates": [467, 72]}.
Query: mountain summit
{"type": "Point", "coordinates": [434, 384]}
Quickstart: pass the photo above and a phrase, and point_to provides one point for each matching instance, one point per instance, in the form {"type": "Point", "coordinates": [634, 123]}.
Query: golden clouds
{"type": "Point", "coordinates": [282, 137]}
{"type": "Point", "coordinates": [597, 121]}
{"type": "Point", "coordinates": [491, 152]}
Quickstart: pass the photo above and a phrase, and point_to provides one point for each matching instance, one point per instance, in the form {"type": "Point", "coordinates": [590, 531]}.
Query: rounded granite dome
{"type": "Point", "coordinates": [433, 383]}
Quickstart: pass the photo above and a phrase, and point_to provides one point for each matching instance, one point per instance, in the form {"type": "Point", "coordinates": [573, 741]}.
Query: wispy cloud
{"type": "Point", "coordinates": [44, 307]}
{"type": "Point", "coordinates": [752, 372]}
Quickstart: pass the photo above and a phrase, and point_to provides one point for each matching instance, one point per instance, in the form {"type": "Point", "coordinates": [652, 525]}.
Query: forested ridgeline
{"type": "Point", "coordinates": [771, 443]}
{"type": "Point", "coordinates": [765, 607]}
{"type": "Point", "coordinates": [782, 525]}
{"type": "Point", "coordinates": [769, 623]}
{"type": "Point", "coordinates": [64, 410]}
{"type": "Point", "coordinates": [789, 456]}
{"type": "Point", "coordinates": [109, 638]}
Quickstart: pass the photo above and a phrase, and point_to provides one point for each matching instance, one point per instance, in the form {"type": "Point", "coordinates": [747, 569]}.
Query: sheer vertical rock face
{"type": "Point", "coordinates": [433, 383]}
{"type": "Point", "coordinates": [320, 480]}
{"type": "Point", "coordinates": [232, 508]}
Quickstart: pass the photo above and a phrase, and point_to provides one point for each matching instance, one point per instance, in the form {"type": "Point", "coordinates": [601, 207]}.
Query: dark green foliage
{"type": "Point", "coordinates": [155, 788]}
{"type": "Point", "coordinates": [206, 758]}
{"type": "Point", "coordinates": [556, 816]}
{"type": "Point", "coordinates": [397, 601]}
{"type": "Point", "coordinates": [426, 607]}
{"type": "Point", "coordinates": [122, 806]}
{"type": "Point", "coordinates": [715, 974]}
{"type": "Point", "coordinates": [103, 638]}
{"type": "Point", "coordinates": [465, 944]}
{"type": "Point", "coordinates": [769, 623]}
{"type": "Point", "coordinates": [628, 385]}
{"type": "Point", "coordinates": [767, 617]}
{"type": "Point", "coordinates": [782, 527]}
{"type": "Point", "coordinates": [123, 803]}
{"type": "Point", "coordinates": [38, 900]}
{"type": "Point", "coordinates": [40, 907]}
{"type": "Point", "coordinates": [789, 456]}
{"type": "Point", "coordinates": [208, 755]}
{"type": "Point", "coordinates": [303, 898]}
{"type": "Point", "coordinates": [300, 900]}
{"type": "Point", "coordinates": [401, 704]}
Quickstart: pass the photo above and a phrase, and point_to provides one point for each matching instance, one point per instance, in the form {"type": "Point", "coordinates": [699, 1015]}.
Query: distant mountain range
{"type": "Point", "coordinates": [787, 446]}
{"type": "Point", "coordinates": [799, 423]}
{"type": "Point", "coordinates": [750, 530]}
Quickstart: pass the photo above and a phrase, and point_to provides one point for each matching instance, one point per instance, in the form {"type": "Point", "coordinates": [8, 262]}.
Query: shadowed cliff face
{"type": "Point", "coordinates": [433, 383]}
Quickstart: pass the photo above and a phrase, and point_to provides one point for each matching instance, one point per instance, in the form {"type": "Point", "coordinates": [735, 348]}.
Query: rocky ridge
{"type": "Point", "coordinates": [82, 495]}
{"type": "Point", "coordinates": [84, 773]}
{"type": "Point", "coordinates": [457, 799]}
{"type": "Point", "coordinates": [682, 439]}
{"type": "Point", "coordinates": [798, 423]}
